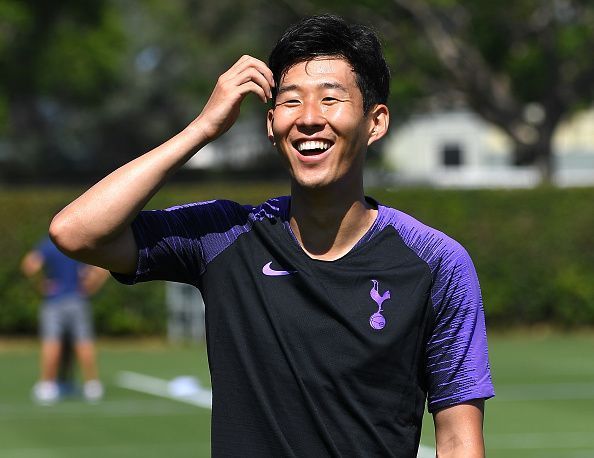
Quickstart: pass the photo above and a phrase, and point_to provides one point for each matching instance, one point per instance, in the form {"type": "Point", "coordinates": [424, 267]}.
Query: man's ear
{"type": "Point", "coordinates": [379, 120]}
{"type": "Point", "coordinates": [269, 122]}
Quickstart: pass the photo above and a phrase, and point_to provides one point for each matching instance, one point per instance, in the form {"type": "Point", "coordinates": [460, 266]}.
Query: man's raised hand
{"type": "Point", "coordinates": [247, 75]}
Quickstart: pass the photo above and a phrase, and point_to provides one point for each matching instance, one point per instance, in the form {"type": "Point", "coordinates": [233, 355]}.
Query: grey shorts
{"type": "Point", "coordinates": [70, 315]}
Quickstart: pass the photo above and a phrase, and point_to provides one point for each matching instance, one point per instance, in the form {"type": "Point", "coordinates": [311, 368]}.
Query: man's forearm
{"type": "Point", "coordinates": [102, 216]}
{"type": "Point", "coordinates": [459, 430]}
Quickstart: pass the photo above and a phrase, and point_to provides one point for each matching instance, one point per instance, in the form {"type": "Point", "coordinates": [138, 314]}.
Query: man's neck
{"type": "Point", "coordinates": [328, 223]}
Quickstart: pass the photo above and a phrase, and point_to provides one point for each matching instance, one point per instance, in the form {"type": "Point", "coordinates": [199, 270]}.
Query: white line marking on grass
{"type": "Point", "coordinates": [544, 441]}
{"type": "Point", "coordinates": [189, 394]}
{"type": "Point", "coordinates": [138, 408]}
{"type": "Point", "coordinates": [544, 392]}
{"type": "Point", "coordinates": [131, 449]}
{"type": "Point", "coordinates": [426, 452]}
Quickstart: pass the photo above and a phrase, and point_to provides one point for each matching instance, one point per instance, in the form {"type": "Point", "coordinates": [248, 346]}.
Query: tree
{"type": "Point", "coordinates": [523, 66]}
{"type": "Point", "coordinates": [87, 86]}
{"type": "Point", "coordinates": [57, 61]}
{"type": "Point", "coordinates": [175, 52]}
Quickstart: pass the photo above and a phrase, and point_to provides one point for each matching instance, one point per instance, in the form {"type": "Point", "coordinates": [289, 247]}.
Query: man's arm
{"type": "Point", "coordinates": [32, 267]}
{"type": "Point", "coordinates": [92, 279]}
{"type": "Point", "coordinates": [95, 228]}
{"type": "Point", "coordinates": [32, 263]}
{"type": "Point", "coordinates": [459, 430]}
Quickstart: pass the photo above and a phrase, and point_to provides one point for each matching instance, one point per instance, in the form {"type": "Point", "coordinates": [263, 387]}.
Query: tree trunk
{"type": "Point", "coordinates": [538, 153]}
{"type": "Point", "coordinates": [545, 161]}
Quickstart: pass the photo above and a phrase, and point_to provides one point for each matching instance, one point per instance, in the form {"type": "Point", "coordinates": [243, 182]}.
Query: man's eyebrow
{"type": "Point", "coordinates": [334, 85]}
{"type": "Point", "coordinates": [324, 85]}
{"type": "Point", "coordinates": [283, 89]}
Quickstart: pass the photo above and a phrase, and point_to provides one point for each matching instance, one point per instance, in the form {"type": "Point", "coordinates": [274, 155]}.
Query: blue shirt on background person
{"type": "Point", "coordinates": [62, 274]}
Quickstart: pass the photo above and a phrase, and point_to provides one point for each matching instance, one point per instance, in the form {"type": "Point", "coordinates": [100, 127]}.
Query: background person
{"type": "Point", "coordinates": [65, 311]}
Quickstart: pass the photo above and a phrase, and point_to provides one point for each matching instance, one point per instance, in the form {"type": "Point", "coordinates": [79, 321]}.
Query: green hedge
{"type": "Point", "coordinates": [533, 249]}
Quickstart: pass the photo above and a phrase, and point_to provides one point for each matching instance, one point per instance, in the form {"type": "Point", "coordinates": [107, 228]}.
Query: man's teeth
{"type": "Point", "coordinates": [312, 145]}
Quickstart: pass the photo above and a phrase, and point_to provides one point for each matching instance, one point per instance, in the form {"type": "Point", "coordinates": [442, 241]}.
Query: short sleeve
{"type": "Point", "coordinates": [457, 361]}
{"type": "Point", "coordinates": [177, 243]}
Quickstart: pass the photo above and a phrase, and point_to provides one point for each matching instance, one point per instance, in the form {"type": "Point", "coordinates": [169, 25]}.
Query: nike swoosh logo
{"type": "Point", "coordinates": [269, 271]}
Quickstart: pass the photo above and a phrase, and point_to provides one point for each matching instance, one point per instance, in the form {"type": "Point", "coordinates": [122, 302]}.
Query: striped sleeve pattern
{"type": "Point", "coordinates": [177, 243]}
{"type": "Point", "coordinates": [457, 362]}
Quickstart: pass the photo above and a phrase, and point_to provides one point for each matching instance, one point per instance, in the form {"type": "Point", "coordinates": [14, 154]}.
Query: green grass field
{"type": "Point", "coordinates": [544, 407]}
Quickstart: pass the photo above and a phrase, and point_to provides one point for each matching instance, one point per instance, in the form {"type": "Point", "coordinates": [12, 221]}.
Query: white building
{"type": "Point", "coordinates": [242, 146]}
{"type": "Point", "coordinates": [459, 149]}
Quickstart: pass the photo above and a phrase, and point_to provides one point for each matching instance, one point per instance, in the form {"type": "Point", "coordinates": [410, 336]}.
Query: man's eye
{"type": "Point", "coordinates": [289, 103]}
{"type": "Point", "coordinates": [330, 100]}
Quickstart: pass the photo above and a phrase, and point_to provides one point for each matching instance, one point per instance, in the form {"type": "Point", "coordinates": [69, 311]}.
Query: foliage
{"type": "Point", "coordinates": [533, 250]}
{"type": "Point", "coordinates": [28, 214]}
{"type": "Point", "coordinates": [58, 63]}
{"type": "Point", "coordinates": [102, 81]}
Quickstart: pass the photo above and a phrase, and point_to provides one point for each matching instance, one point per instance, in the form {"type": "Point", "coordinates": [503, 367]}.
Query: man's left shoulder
{"type": "Point", "coordinates": [429, 243]}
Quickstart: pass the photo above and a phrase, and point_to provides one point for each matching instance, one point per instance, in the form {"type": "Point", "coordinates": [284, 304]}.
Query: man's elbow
{"type": "Point", "coordinates": [461, 447]}
{"type": "Point", "coordinates": [83, 242]}
{"type": "Point", "coordinates": [65, 234]}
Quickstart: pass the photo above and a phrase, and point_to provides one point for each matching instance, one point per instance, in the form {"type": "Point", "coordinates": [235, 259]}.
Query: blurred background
{"type": "Point", "coordinates": [492, 141]}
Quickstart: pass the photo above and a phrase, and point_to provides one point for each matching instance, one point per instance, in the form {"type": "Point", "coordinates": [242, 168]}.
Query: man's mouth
{"type": "Point", "coordinates": [312, 147]}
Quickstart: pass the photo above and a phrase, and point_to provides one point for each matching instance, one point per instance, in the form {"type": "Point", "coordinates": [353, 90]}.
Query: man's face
{"type": "Point", "coordinates": [318, 123]}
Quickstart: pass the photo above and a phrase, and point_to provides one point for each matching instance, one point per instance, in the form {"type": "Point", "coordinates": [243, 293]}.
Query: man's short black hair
{"type": "Point", "coordinates": [329, 35]}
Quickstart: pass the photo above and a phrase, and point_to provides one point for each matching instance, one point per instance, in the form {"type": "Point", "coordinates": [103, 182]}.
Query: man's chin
{"type": "Point", "coordinates": [312, 183]}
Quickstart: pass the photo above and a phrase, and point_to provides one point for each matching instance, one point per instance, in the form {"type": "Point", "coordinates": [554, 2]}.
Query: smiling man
{"type": "Point", "coordinates": [331, 318]}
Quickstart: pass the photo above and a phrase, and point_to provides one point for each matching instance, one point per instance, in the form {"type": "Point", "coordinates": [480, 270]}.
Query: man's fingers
{"type": "Point", "coordinates": [250, 86]}
{"type": "Point", "coordinates": [230, 84]}
{"type": "Point", "coordinates": [251, 74]}
{"type": "Point", "coordinates": [249, 62]}
{"type": "Point", "coordinates": [222, 108]}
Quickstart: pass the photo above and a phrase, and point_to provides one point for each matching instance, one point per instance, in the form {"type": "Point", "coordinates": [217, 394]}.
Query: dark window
{"type": "Point", "coordinates": [452, 155]}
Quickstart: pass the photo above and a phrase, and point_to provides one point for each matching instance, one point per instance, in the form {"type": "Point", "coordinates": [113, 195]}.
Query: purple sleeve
{"type": "Point", "coordinates": [177, 243]}
{"type": "Point", "coordinates": [457, 362]}
{"type": "Point", "coordinates": [457, 357]}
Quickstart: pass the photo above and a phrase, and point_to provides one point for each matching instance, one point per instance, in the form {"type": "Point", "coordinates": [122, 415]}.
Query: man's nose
{"type": "Point", "coordinates": [311, 115]}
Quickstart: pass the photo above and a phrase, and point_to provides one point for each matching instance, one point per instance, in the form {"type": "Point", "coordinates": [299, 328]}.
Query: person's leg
{"type": "Point", "coordinates": [92, 388]}
{"type": "Point", "coordinates": [66, 373]}
{"type": "Point", "coordinates": [85, 352]}
{"type": "Point", "coordinates": [46, 389]}
{"type": "Point", "coordinates": [50, 359]}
